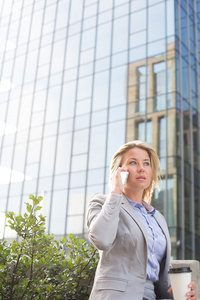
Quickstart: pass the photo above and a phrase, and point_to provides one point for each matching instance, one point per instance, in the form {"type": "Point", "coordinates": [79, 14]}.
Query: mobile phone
{"type": "Point", "coordinates": [124, 176]}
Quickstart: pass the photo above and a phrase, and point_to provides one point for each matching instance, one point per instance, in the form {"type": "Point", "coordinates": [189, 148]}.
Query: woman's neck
{"type": "Point", "coordinates": [135, 196]}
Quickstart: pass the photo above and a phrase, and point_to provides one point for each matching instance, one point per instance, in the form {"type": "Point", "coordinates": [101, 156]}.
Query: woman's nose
{"type": "Point", "coordinates": [140, 167]}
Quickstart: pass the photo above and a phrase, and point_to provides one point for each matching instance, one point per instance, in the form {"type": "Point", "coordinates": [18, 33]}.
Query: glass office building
{"type": "Point", "coordinates": [78, 78]}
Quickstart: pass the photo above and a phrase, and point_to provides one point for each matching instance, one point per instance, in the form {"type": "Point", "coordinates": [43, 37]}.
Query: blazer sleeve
{"type": "Point", "coordinates": [103, 219]}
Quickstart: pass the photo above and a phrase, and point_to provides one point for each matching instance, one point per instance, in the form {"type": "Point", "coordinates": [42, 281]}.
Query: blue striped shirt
{"type": "Point", "coordinates": [156, 238]}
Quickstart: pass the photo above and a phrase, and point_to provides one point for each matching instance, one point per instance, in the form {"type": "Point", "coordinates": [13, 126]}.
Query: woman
{"type": "Point", "coordinates": [131, 236]}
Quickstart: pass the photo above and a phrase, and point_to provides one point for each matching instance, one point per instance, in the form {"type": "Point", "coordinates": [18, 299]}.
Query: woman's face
{"type": "Point", "coordinates": [137, 163]}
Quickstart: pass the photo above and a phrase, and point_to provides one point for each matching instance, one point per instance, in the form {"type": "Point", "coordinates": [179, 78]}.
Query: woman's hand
{"type": "Point", "coordinates": [116, 186]}
{"type": "Point", "coordinates": [190, 295]}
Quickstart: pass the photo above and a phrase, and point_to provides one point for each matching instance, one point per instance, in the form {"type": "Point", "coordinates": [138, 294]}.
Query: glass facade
{"type": "Point", "coordinates": [80, 78]}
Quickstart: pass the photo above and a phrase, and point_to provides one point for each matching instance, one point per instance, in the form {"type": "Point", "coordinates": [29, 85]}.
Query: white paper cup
{"type": "Point", "coordinates": [180, 279]}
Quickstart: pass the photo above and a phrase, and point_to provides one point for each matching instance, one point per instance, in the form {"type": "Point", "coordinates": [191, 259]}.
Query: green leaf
{"type": "Point", "coordinates": [70, 265]}
{"type": "Point", "coordinates": [71, 236]}
{"type": "Point", "coordinates": [25, 283]}
{"type": "Point", "coordinates": [37, 208]}
{"type": "Point", "coordinates": [28, 207]}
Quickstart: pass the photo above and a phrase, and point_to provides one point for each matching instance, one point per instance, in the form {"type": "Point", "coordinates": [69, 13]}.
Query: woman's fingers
{"type": "Point", "coordinates": [192, 294]}
{"type": "Point", "coordinates": [170, 290]}
{"type": "Point", "coordinates": [116, 182]}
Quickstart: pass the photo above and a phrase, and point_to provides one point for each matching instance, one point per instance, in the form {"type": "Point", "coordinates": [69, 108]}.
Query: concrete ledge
{"type": "Point", "coordinates": [194, 266]}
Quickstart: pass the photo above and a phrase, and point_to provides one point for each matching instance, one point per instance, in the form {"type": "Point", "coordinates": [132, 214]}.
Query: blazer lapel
{"type": "Point", "coordinates": [162, 223]}
{"type": "Point", "coordinates": [128, 208]}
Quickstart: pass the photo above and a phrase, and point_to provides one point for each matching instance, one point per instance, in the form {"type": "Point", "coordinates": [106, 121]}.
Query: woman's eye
{"type": "Point", "coordinates": [147, 164]}
{"type": "Point", "coordinates": [133, 162]}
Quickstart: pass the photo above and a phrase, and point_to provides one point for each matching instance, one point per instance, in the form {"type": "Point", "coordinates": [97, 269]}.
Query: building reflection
{"type": "Point", "coordinates": [154, 115]}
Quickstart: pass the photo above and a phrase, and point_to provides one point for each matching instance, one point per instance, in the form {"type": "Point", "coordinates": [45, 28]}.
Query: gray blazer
{"type": "Point", "coordinates": [121, 238]}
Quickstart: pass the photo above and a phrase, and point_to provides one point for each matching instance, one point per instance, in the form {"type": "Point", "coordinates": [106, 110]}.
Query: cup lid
{"type": "Point", "coordinates": [180, 270]}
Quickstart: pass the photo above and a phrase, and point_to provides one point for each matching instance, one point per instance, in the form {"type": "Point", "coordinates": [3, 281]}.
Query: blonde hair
{"type": "Point", "coordinates": [155, 164]}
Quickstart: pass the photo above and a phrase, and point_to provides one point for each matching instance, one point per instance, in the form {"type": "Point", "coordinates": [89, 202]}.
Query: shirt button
{"type": "Point", "coordinates": [114, 202]}
{"type": "Point", "coordinates": [152, 255]}
{"type": "Point", "coordinates": [112, 206]}
{"type": "Point", "coordinates": [110, 212]}
{"type": "Point", "coordinates": [155, 239]}
{"type": "Point", "coordinates": [154, 270]}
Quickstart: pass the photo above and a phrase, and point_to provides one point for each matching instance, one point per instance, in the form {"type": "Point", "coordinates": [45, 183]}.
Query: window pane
{"type": "Point", "coordinates": [156, 22]}
{"type": "Point", "coordinates": [61, 182]}
{"type": "Point", "coordinates": [45, 55]}
{"type": "Point", "coordinates": [118, 86]}
{"type": "Point", "coordinates": [79, 162]}
{"type": "Point", "coordinates": [141, 132]}
{"type": "Point", "coordinates": [100, 97]}
{"type": "Point", "coordinates": [117, 113]}
{"type": "Point", "coordinates": [63, 153]}
{"type": "Point", "coordinates": [162, 143]}
{"type": "Point", "coordinates": [88, 39]}
{"type": "Point", "coordinates": [68, 100]}
{"type": "Point", "coordinates": [120, 35]}
{"type": "Point", "coordinates": [32, 170]}
{"type": "Point", "coordinates": [82, 122]}
{"type": "Point", "coordinates": [119, 59]}
{"type": "Point", "coordinates": [97, 147]}
{"type": "Point", "coordinates": [45, 184]}
{"type": "Point", "coordinates": [18, 70]}
{"type": "Point", "coordinates": [77, 179]}
{"type": "Point", "coordinates": [170, 18]}
{"type": "Point", "coordinates": [24, 30]}
{"type": "Point", "coordinates": [105, 17]}
{"type": "Point", "coordinates": [58, 212]}
{"type": "Point", "coordinates": [30, 187]}
{"type": "Point", "coordinates": [138, 39]}
{"type": "Point", "coordinates": [90, 10]}
{"type": "Point", "coordinates": [156, 48]}
{"type": "Point", "coordinates": [6, 156]}
{"type": "Point", "coordinates": [83, 106]}
{"type": "Point", "coordinates": [102, 64]}
{"type": "Point", "coordinates": [16, 189]}
{"type": "Point", "coordinates": [85, 87]}
{"type": "Point", "coordinates": [53, 103]}
{"type": "Point", "coordinates": [48, 156]}
{"type": "Point", "coordinates": [159, 86]}
{"type": "Point", "coordinates": [31, 65]}
{"type": "Point", "coordinates": [75, 224]}
{"type": "Point", "coordinates": [138, 4]}
{"type": "Point", "coordinates": [95, 176]}
{"type": "Point", "coordinates": [19, 157]}
{"type": "Point", "coordinates": [13, 109]}
{"type": "Point", "coordinates": [76, 202]}
{"type": "Point", "coordinates": [62, 14]}
{"type": "Point", "coordinates": [105, 5]}
{"type": "Point", "coordinates": [113, 142]}
{"type": "Point", "coordinates": [99, 117]}
{"type": "Point", "coordinates": [138, 21]}
{"type": "Point", "coordinates": [103, 40]}
{"type": "Point", "coordinates": [49, 13]}
{"type": "Point", "coordinates": [72, 51]}
{"type": "Point", "coordinates": [76, 11]}
{"type": "Point", "coordinates": [57, 60]}
{"type": "Point", "coordinates": [80, 142]}
{"type": "Point", "coordinates": [34, 151]}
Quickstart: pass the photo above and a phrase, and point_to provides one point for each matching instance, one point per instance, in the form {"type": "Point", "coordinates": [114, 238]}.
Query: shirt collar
{"type": "Point", "coordinates": [150, 209]}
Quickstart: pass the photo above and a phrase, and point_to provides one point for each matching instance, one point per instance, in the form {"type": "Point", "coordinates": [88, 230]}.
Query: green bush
{"type": "Point", "coordinates": [38, 266]}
